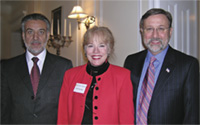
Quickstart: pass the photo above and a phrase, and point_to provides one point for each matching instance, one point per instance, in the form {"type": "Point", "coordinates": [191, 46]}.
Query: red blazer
{"type": "Point", "coordinates": [113, 96]}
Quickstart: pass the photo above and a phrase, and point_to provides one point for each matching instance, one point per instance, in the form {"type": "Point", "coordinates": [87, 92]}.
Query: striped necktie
{"type": "Point", "coordinates": [146, 93]}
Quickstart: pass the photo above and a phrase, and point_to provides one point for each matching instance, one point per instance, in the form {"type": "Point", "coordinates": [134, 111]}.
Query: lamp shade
{"type": "Point", "coordinates": [77, 12]}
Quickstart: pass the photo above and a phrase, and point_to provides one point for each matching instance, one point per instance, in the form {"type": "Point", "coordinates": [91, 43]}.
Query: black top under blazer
{"type": "Point", "coordinates": [17, 103]}
{"type": "Point", "coordinates": [175, 99]}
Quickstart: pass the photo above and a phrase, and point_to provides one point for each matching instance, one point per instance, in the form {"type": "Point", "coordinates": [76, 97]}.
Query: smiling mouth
{"type": "Point", "coordinates": [96, 57]}
{"type": "Point", "coordinates": [155, 42]}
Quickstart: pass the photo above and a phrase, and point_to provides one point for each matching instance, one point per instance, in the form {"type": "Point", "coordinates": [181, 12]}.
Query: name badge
{"type": "Point", "coordinates": [80, 88]}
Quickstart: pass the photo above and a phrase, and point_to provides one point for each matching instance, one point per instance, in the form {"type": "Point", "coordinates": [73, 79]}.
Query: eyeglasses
{"type": "Point", "coordinates": [160, 30]}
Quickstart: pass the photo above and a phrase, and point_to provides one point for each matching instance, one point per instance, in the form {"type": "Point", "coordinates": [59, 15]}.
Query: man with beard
{"type": "Point", "coordinates": [30, 90]}
{"type": "Point", "coordinates": [165, 81]}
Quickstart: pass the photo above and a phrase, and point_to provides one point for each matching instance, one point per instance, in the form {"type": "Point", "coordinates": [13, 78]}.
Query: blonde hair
{"type": "Point", "coordinates": [103, 33]}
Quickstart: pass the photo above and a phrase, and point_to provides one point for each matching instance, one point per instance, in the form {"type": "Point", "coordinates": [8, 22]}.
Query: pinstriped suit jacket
{"type": "Point", "coordinates": [17, 103]}
{"type": "Point", "coordinates": [175, 99]}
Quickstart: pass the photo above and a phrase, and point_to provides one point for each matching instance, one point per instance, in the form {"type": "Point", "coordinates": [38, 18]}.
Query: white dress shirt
{"type": "Point", "coordinates": [40, 62]}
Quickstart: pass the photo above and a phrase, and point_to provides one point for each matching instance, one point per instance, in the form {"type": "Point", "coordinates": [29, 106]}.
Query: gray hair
{"type": "Point", "coordinates": [35, 16]}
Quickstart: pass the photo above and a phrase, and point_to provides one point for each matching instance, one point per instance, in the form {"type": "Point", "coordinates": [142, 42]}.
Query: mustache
{"type": "Point", "coordinates": [32, 42]}
{"type": "Point", "coordinates": [155, 39]}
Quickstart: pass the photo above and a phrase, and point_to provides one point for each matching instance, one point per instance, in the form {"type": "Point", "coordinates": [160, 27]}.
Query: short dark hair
{"type": "Point", "coordinates": [155, 11]}
{"type": "Point", "coordinates": [35, 16]}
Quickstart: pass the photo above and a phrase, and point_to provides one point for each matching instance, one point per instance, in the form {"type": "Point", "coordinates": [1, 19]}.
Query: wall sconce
{"type": "Point", "coordinates": [77, 13]}
{"type": "Point", "coordinates": [89, 20]}
{"type": "Point", "coordinates": [56, 40]}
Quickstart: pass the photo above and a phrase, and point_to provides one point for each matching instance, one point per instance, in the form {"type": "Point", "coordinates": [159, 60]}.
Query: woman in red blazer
{"type": "Point", "coordinates": [97, 92]}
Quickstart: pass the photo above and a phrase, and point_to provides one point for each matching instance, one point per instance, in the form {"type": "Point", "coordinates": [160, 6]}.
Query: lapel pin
{"type": "Point", "coordinates": [167, 70]}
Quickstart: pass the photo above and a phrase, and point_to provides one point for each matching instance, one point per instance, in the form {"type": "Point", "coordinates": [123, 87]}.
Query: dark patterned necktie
{"type": "Point", "coordinates": [35, 75]}
{"type": "Point", "coordinates": [146, 93]}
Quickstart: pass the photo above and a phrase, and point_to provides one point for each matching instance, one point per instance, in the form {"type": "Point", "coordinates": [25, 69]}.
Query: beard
{"type": "Point", "coordinates": [35, 51]}
{"type": "Point", "coordinates": [155, 48]}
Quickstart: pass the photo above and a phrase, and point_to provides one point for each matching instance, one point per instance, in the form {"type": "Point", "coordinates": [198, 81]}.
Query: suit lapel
{"type": "Point", "coordinates": [137, 70]}
{"type": "Point", "coordinates": [24, 74]}
{"type": "Point", "coordinates": [49, 65]}
{"type": "Point", "coordinates": [166, 70]}
{"type": "Point", "coordinates": [138, 67]}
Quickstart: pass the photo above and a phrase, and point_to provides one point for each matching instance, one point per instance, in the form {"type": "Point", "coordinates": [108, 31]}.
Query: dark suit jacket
{"type": "Point", "coordinates": [17, 103]}
{"type": "Point", "coordinates": [176, 95]}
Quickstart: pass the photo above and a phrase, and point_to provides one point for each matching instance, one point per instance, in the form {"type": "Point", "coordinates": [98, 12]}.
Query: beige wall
{"type": "Point", "coordinates": [46, 8]}
{"type": "Point", "coordinates": [11, 15]}
{"type": "Point", "coordinates": [119, 16]}
{"type": "Point", "coordinates": [122, 17]}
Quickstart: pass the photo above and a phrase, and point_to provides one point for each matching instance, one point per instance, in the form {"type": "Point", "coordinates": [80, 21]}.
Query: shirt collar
{"type": "Point", "coordinates": [41, 56]}
{"type": "Point", "coordinates": [159, 57]}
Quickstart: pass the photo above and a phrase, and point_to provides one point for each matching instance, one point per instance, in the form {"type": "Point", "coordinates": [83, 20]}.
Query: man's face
{"type": "Point", "coordinates": [35, 36]}
{"type": "Point", "coordinates": [156, 33]}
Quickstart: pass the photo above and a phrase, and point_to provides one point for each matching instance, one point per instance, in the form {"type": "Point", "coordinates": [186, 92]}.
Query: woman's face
{"type": "Point", "coordinates": [96, 51]}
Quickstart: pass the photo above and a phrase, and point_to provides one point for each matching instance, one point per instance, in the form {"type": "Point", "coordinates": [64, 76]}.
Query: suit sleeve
{"type": "Point", "coordinates": [69, 65]}
{"type": "Point", "coordinates": [126, 106]}
{"type": "Point", "coordinates": [5, 99]}
{"type": "Point", "coordinates": [191, 94]}
{"type": "Point", "coordinates": [62, 104]}
{"type": "Point", "coordinates": [126, 62]}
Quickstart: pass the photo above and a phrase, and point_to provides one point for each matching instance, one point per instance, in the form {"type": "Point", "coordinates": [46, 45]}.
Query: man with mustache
{"type": "Point", "coordinates": [30, 90]}
{"type": "Point", "coordinates": [165, 81]}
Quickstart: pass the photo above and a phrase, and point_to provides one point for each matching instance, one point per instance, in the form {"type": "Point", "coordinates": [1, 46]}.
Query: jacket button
{"type": "Point", "coordinates": [99, 79]}
{"type": "Point", "coordinates": [96, 118]}
{"type": "Point", "coordinates": [96, 97]}
{"type": "Point", "coordinates": [35, 115]}
{"type": "Point", "coordinates": [32, 97]}
{"type": "Point", "coordinates": [95, 107]}
{"type": "Point", "coordinates": [97, 88]}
